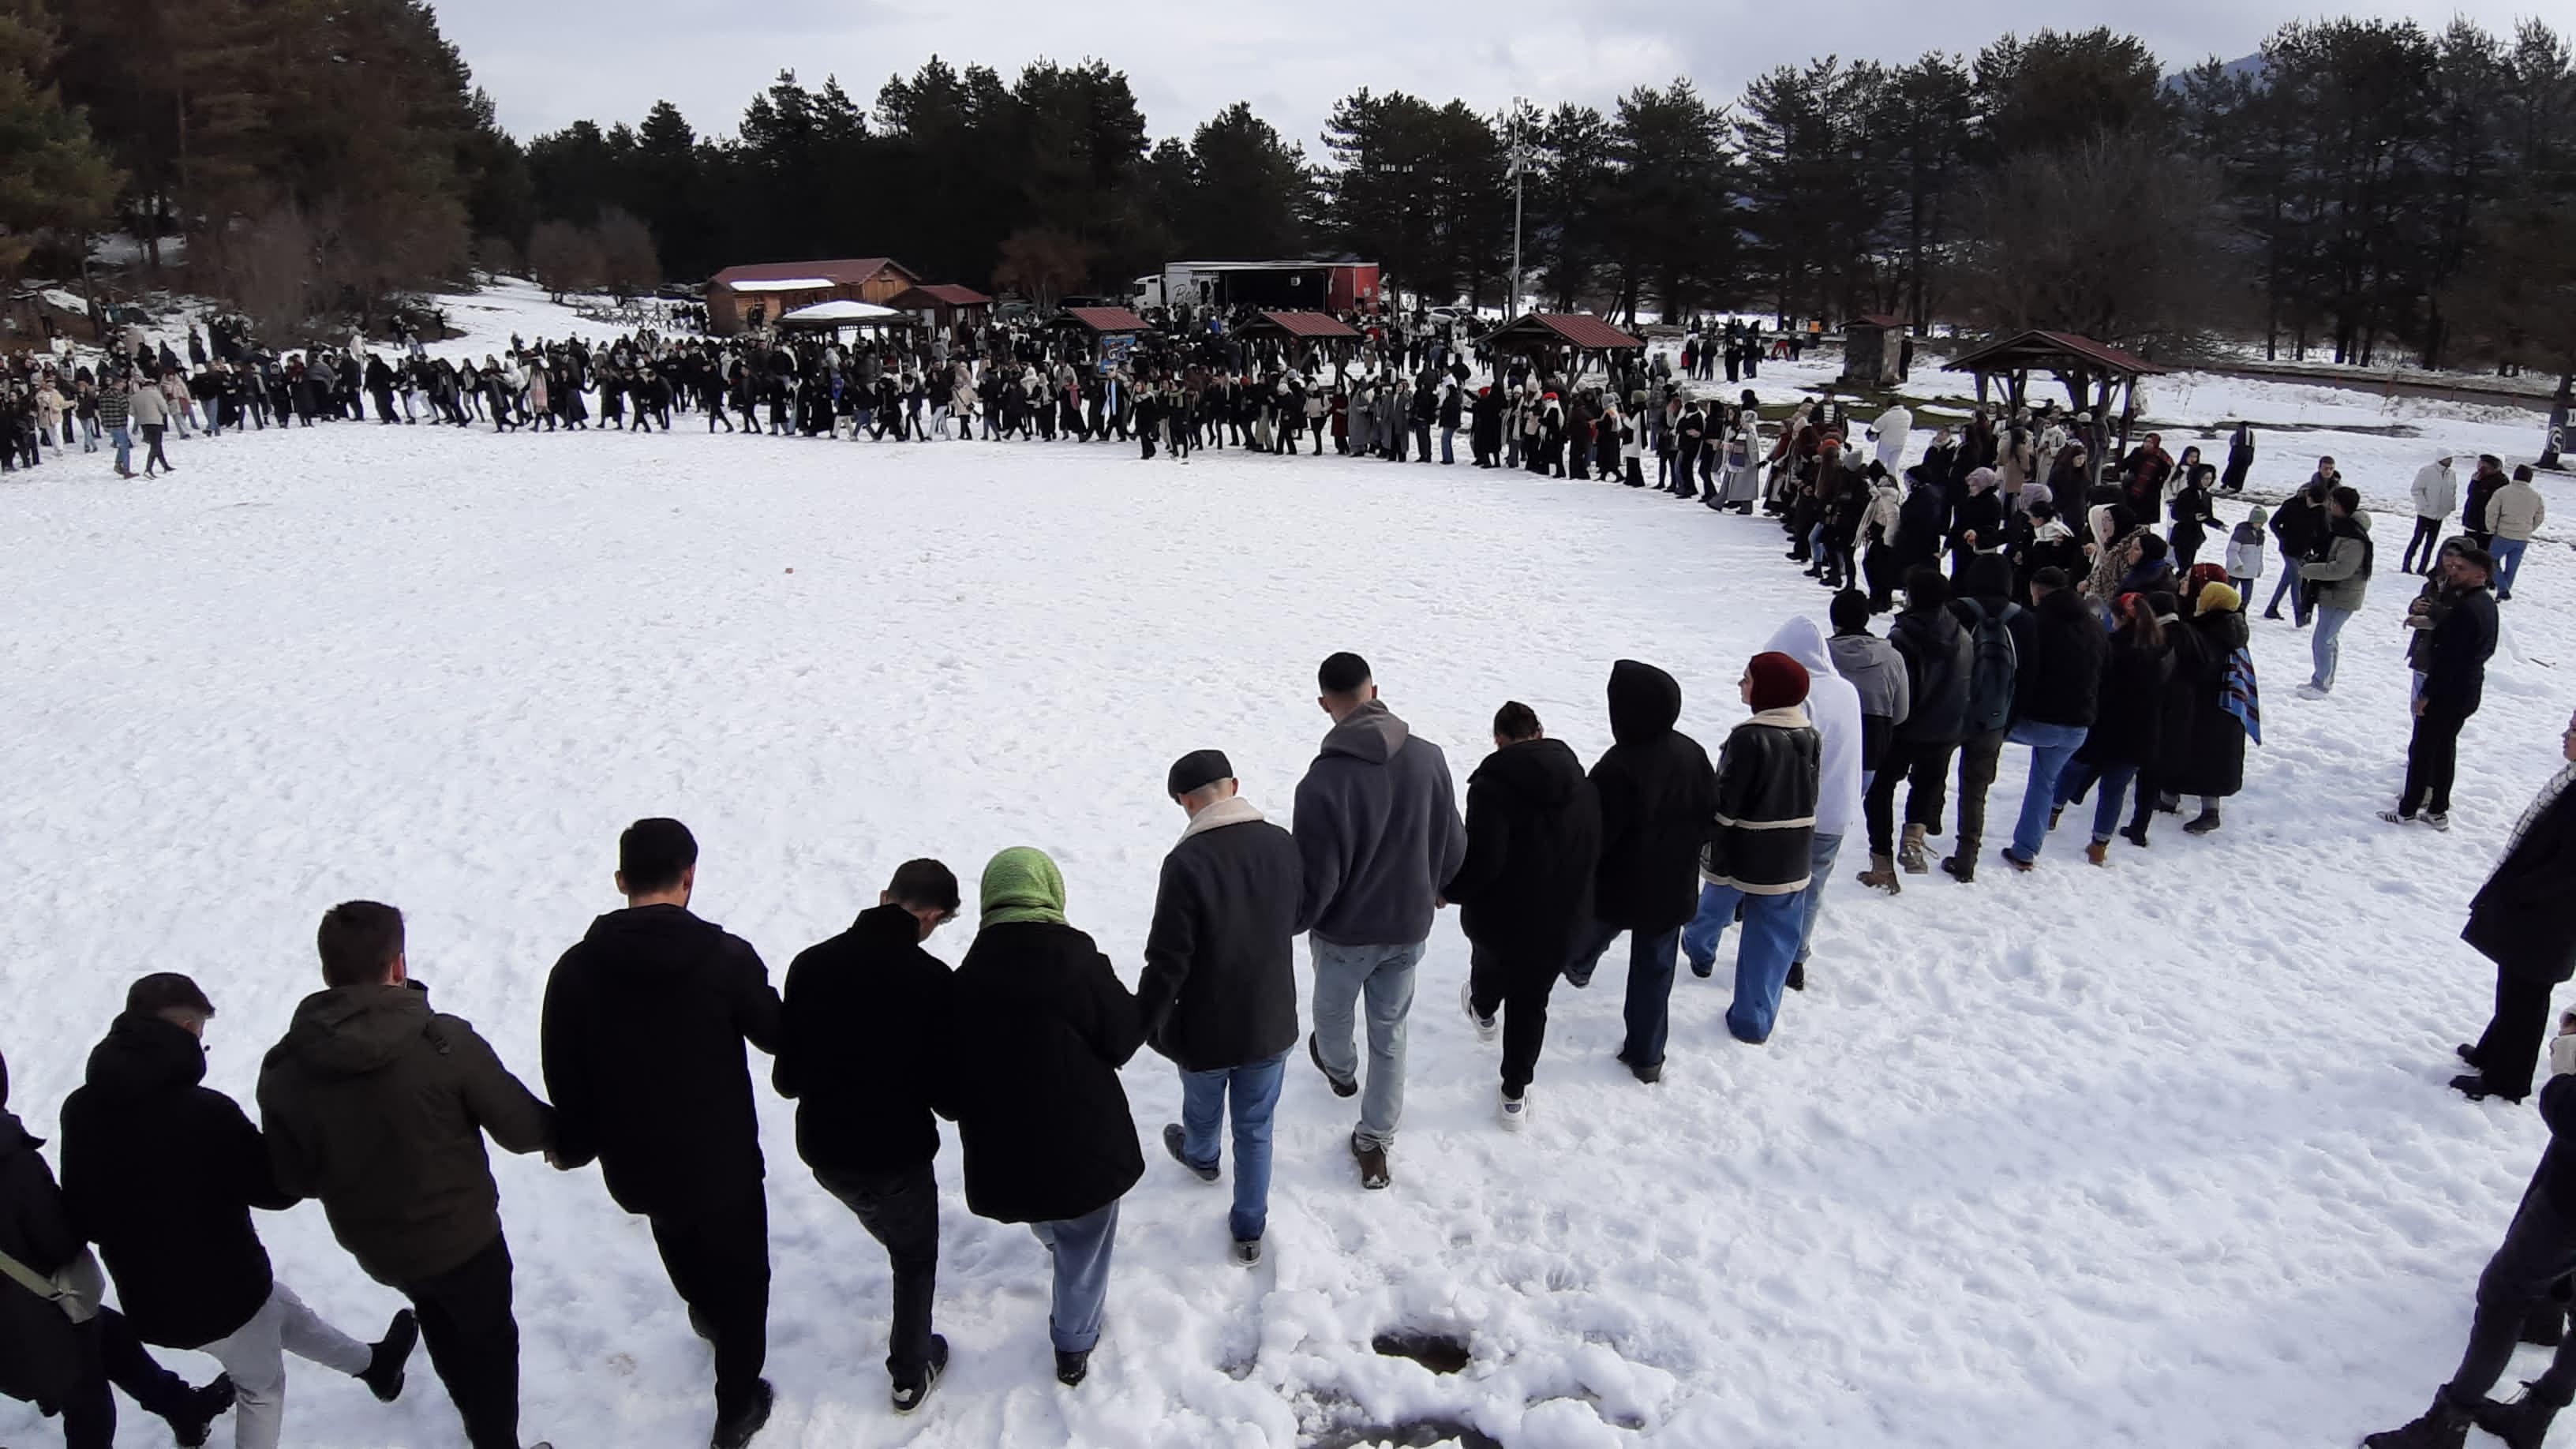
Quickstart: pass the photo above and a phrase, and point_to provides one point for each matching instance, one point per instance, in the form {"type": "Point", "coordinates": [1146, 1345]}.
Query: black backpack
{"type": "Point", "coordinates": [1994, 668]}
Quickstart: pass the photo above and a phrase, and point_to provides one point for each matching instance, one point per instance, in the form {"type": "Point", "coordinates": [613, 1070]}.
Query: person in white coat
{"type": "Point", "coordinates": [1890, 431]}
{"type": "Point", "coordinates": [1833, 707]}
{"type": "Point", "coordinates": [2437, 492]}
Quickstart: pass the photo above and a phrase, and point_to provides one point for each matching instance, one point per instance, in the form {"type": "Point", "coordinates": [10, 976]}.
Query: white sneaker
{"type": "Point", "coordinates": [1486, 1027]}
{"type": "Point", "coordinates": [2310, 691]}
{"type": "Point", "coordinates": [1515, 1111]}
{"type": "Point", "coordinates": [2437, 819]}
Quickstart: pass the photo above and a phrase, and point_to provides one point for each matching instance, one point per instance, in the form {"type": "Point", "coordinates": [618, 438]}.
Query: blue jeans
{"type": "Point", "coordinates": [1385, 975]}
{"type": "Point", "coordinates": [1254, 1091]}
{"type": "Point", "coordinates": [2508, 557]}
{"type": "Point", "coordinates": [1650, 987]}
{"type": "Point", "coordinates": [1772, 935]}
{"type": "Point", "coordinates": [2114, 792]}
{"type": "Point", "coordinates": [1080, 1247]}
{"type": "Point", "coordinates": [2330, 622]}
{"type": "Point", "coordinates": [2051, 746]}
{"type": "Point", "coordinates": [1717, 909]}
{"type": "Point", "coordinates": [2292, 585]}
{"type": "Point", "coordinates": [124, 440]}
{"type": "Point", "coordinates": [1447, 436]}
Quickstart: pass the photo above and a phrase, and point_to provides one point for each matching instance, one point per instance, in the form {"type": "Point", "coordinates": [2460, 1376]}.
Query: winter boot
{"type": "Point", "coordinates": [198, 1410]}
{"type": "Point", "coordinates": [1909, 852]}
{"type": "Point", "coordinates": [2135, 832]}
{"type": "Point", "coordinates": [1072, 1368]}
{"type": "Point", "coordinates": [1881, 874]}
{"type": "Point", "coordinates": [1797, 976]}
{"type": "Point", "coordinates": [2524, 1423]}
{"type": "Point", "coordinates": [2099, 852]}
{"type": "Point", "coordinates": [383, 1374]}
{"type": "Point", "coordinates": [2443, 1426]}
{"type": "Point", "coordinates": [2203, 823]}
{"type": "Point", "coordinates": [1962, 867]}
{"type": "Point", "coordinates": [735, 1430]}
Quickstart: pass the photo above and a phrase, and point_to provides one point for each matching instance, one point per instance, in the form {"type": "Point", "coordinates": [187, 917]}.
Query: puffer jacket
{"type": "Point", "coordinates": [2342, 577]}
{"type": "Point", "coordinates": [1763, 833]}
{"type": "Point", "coordinates": [1657, 792]}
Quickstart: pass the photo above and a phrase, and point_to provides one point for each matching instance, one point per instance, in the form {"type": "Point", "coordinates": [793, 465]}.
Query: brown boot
{"type": "Point", "coordinates": [1909, 851]}
{"type": "Point", "coordinates": [1881, 875]}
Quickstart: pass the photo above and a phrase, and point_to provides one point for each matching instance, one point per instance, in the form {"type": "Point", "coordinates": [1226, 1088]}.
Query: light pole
{"type": "Point", "coordinates": [1519, 168]}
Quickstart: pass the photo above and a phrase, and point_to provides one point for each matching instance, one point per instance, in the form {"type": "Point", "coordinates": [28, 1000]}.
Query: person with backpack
{"type": "Point", "coordinates": [1996, 627]}
{"type": "Point", "coordinates": [1939, 662]}
{"type": "Point", "coordinates": [161, 1172]}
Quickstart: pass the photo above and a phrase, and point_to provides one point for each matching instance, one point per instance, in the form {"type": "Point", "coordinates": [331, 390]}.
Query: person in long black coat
{"type": "Point", "coordinates": [2128, 724]}
{"type": "Point", "coordinates": [1525, 888]}
{"type": "Point", "coordinates": [2524, 920]}
{"type": "Point", "coordinates": [2213, 764]}
{"type": "Point", "coordinates": [2177, 712]}
{"type": "Point", "coordinates": [47, 1360]}
{"type": "Point", "coordinates": [1039, 1027]}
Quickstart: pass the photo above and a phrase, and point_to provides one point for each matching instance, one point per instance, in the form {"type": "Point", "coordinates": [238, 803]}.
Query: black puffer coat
{"type": "Point", "coordinates": [1657, 790]}
{"type": "Point", "coordinates": [2130, 722]}
{"type": "Point", "coordinates": [1533, 845]}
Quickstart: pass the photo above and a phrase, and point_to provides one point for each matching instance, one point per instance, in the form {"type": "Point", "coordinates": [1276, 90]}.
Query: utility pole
{"type": "Point", "coordinates": [1519, 169]}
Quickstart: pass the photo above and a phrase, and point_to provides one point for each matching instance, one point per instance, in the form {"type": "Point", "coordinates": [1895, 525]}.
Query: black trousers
{"type": "Point", "coordinates": [1520, 993]}
{"type": "Point", "coordinates": [2432, 757]}
{"type": "Point", "coordinates": [719, 1263]}
{"type": "Point", "coordinates": [900, 1209]}
{"type": "Point", "coordinates": [2508, 1052]}
{"type": "Point", "coordinates": [2428, 537]}
{"type": "Point", "coordinates": [110, 1354]}
{"type": "Point", "coordinates": [473, 1342]}
{"type": "Point", "coordinates": [1925, 765]}
{"type": "Point", "coordinates": [1979, 756]}
{"type": "Point", "coordinates": [2537, 1254]}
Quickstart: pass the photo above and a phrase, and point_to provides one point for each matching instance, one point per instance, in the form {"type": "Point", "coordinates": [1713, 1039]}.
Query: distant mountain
{"type": "Point", "coordinates": [2251, 66]}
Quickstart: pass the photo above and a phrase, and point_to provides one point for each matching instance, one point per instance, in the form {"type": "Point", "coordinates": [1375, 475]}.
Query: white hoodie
{"type": "Point", "coordinates": [1834, 707]}
{"type": "Point", "coordinates": [2437, 491]}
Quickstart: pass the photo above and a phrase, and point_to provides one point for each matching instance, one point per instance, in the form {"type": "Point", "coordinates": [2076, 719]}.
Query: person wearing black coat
{"type": "Point", "coordinates": [2524, 920]}
{"type": "Point", "coordinates": [2212, 766]}
{"type": "Point", "coordinates": [1939, 663]}
{"type": "Point", "coordinates": [858, 1053]}
{"type": "Point", "coordinates": [161, 1173]}
{"type": "Point", "coordinates": [1219, 991]}
{"type": "Point", "coordinates": [2128, 723]}
{"type": "Point", "coordinates": [2297, 525]}
{"type": "Point", "coordinates": [46, 1359]}
{"type": "Point", "coordinates": [645, 1021]}
{"type": "Point", "coordinates": [2057, 691]}
{"type": "Point", "coordinates": [1656, 789]}
{"type": "Point", "coordinates": [2176, 709]}
{"type": "Point", "coordinates": [1525, 889]}
{"type": "Point", "coordinates": [1039, 1026]}
{"type": "Point", "coordinates": [2457, 651]}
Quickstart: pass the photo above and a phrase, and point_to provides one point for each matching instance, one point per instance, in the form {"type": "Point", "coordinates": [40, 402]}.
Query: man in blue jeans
{"type": "Point", "coordinates": [1219, 991]}
{"type": "Point", "coordinates": [2340, 569]}
{"type": "Point", "coordinates": [2055, 693]}
{"type": "Point", "coordinates": [1658, 792]}
{"type": "Point", "coordinates": [1378, 834]}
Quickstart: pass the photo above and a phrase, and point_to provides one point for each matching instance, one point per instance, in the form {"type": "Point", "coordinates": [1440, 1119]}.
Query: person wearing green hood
{"type": "Point", "coordinates": [1048, 1136]}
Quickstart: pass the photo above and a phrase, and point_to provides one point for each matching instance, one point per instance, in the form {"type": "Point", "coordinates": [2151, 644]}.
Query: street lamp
{"type": "Point", "coordinates": [1519, 167]}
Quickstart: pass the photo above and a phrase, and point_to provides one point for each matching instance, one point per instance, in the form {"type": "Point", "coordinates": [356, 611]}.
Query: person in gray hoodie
{"type": "Point", "coordinates": [1378, 834]}
{"type": "Point", "coordinates": [1872, 666]}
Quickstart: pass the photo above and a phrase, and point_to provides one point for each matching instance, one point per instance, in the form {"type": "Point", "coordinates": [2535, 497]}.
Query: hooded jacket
{"type": "Point", "coordinates": [858, 1045]}
{"type": "Point", "coordinates": [645, 1020]}
{"type": "Point", "coordinates": [1219, 987]}
{"type": "Point", "coordinates": [1377, 832]}
{"type": "Point", "coordinates": [1940, 659]}
{"type": "Point", "coordinates": [1533, 846]}
{"type": "Point", "coordinates": [1834, 708]}
{"type": "Point", "coordinates": [162, 1173]}
{"type": "Point", "coordinates": [2436, 490]}
{"type": "Point", "coordinates": [1657, 792]}
{"type": "Point", "coordinates": [2516, 511]}
{"type": "Point", "coordinates": [40, 1350]}
{"type": "Point", "coordinates": [378, 1106]}
{"type": "Point", "coordinates": [2060, 679]}
{"type": "Point", "coordinates": [1871, 665]}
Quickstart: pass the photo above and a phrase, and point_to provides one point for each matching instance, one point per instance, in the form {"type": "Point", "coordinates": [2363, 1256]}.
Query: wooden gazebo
{"type": "Point", "coordinates": [1545, 335]}
{"type": "Point", "coordinates": [2092, 372]}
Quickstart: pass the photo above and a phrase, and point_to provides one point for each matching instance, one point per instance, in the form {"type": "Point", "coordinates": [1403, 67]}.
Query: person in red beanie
{"type": "Point", "coordinates": [1763, 836]}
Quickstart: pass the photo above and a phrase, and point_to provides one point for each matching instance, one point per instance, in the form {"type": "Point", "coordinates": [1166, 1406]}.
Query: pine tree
{"type": "Point", "coordinates": [54, 178]}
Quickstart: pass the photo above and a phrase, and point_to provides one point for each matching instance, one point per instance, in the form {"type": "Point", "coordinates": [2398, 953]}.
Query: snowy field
{"type": "Point", "coordinates": [2156, 1155]}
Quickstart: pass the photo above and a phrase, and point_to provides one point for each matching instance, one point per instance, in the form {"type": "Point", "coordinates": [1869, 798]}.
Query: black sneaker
{"type": "Point", "coordinates": [1578, 977]}
{"type": "Point", "coordinates": [2443, 1426]}
{"type": "Point", "coordinates": [2524, 1423]}
{"type": "Point", "coordinates": [1172, 1136]}
{"type": "Point", "coordinates": [908, 1399]}
{"type": "Point", "coordinates": [1247, 1252]}
{"type": "Point", "coordinates": [1342, 1086]}
{"type": "Point", "coordinates": [1648, 1074]}
{"type": "Point", "coordinates": [1961, 867]}
{"type": "Point", "coordinates": [1072, 1368]}
{"type": "Point", "coordinates": [1704, 969]}
{"type": "Point", "coordinates": [735, 1431]}
{"type": "Point", "coordinates": [383, 1374]}
{"type": "Point", "coordinates": [1797, 976]}
{"type": "Point", "coordinates": [196, 1417]}
{"type": "Point", "coordinates": [2473, 1085]}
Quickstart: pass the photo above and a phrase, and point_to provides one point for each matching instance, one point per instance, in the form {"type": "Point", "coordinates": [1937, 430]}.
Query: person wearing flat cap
{"type": "Point", "coordinates": [1219, 992]}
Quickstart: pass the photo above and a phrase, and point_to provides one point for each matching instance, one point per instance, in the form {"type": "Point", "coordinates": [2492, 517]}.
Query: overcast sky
{"type": "Point", "coordinates": [548, 62]}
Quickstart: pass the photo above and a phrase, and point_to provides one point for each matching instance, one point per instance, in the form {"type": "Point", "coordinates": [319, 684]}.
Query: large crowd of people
{"type": "Point", "coordinates": [2041, 588]}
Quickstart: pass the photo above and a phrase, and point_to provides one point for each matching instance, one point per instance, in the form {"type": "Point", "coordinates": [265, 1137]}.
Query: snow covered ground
{"type": "Point", "coordinates": [2153, 1155]}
